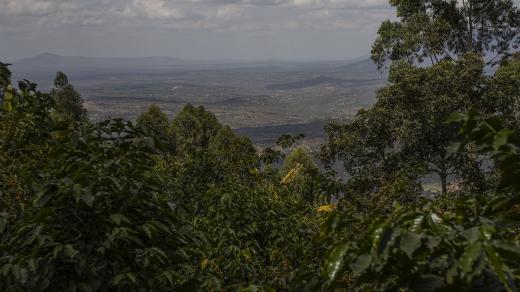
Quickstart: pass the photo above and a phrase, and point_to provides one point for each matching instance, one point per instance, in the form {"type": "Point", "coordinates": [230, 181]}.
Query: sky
{"type": "Point", "coordinates": [191, 29]}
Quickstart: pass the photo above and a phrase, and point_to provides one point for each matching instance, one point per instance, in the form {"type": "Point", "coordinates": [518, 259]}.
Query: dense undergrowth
{"type": "Point", "coordinates": [186, 204]}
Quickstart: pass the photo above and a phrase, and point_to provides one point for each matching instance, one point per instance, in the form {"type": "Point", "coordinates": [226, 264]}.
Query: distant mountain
{"type": "Point", "coordinates": [43, 67]}
{"type": "Point", "coordinates": [45, 62]}
{"type": "Point", "coordinates": [359, 71]}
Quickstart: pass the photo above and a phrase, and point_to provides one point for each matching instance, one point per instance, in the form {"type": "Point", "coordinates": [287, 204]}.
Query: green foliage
{"type": "Point", "coordinates": [5, 77]}
{"type": "Point", "coordinates": [236, 208]}
{"type": "Point", "coordinates": [190, 206]}
{"type": "Point", "coordinates": [271, 156]}
{"type": "Point", "coordinates": [69, 103]}
{"type": "Point", "coordinates": [231, 154]}
{"type": "Point", "coordinates": [154, 120]}
{"type": "Point", "coordinates": [436, 30]}
{"type": "Point", "coordinates": [503, 98]}
{"type": "Point", "coordinates": [61, 80]}
{"type": "Point", "coordinates": [286, 140]}
{"type": "Point", "coordinates": [405, 131]}
{"type": "Point", "coordinates": [25, 140]}
{"type": "Point", "coordinates": [155, 123]}
{"type": "Point", "coordinates": [303, 177]}
{"type": "Point", "coordinates": [423, 250]}
{"type": "Point", "coordinates": [298, 158]}
{"type": "Point", "coordinates": [255, 237]}
{"type": "Point", "coordinates": [492, 138]}
{"type": "Point", "coordinates": [98, 221]}
{"type": "Point", "coordinates": [193, 128]}
{"type": "Point", "coordinates": [383, 236]}
{"type": "Point", "coordinates": [469, 244]}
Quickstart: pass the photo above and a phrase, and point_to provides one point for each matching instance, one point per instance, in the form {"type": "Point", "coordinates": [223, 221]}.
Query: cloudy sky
{"type": "Point", "coordinates": [191, 29]}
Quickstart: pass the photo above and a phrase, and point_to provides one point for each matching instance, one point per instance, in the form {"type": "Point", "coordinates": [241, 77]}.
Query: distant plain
{"type": "Point", "coordinates": [260, 99]}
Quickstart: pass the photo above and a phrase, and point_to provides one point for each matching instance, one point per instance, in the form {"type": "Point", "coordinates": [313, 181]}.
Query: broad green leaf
{"type": "Point", "coordinates": [84, 287]}
{"type": "Point", "coordinates": [57, 249]}
{"type": "Point", "coordinates": [69, 251]}
{"type": "Point", "coordinates": [499, 268]}
{"type": "Point", "coordinates": [509, 250]}
{"type": "Point", "coordinates": [501, 138]}
{"type": "Point", "coordinates": [159, 252]}
{"type": "Point", "coordinates": [335, 261]}
{"type": "Point", "coordinates": [118, 218]}
{"type": "Point", "coordinates": [118, 278]}
{"type": "Point", "coordinates": [116, 182]}
{"type": "Point", "coordinates": [88, 199]}
{"type": "Point", "coordinates": [361, 264]}
{"type": "Point", "coordinates": [428, 283]}
{"type": "Point", "coordinates": [472, 234]}
{"type": "Point", "coordinates": [131, 276]}
{"type": "Point", "coordinates": [251, 288]}
{"type": "Point", "coordinates": [147, 230]}
{"type": "Point", "coordinates": [383, 239]}
{"type": "Point", "coordinates": [410, 242]}
{"type": "Point", "coordinates": [452, 273]}
{"type": "Point", "coordinates": [470, 255]}
{"type": "Point", "coordinates": [168, 277]}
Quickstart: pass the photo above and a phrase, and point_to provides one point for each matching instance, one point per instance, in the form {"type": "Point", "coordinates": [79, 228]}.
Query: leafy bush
{"type": "Point", "coordinates": [99, 220]}
{"type": "Point", "coordinates": [472, 244]}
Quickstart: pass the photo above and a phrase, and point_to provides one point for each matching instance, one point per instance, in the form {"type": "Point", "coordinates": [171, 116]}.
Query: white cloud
{"type": "Point", "coordinates": [194, 21]}
{"type": "Point", "coordinates": [27, 6]}
{"type": "Point", "coordinates": [154, 9]}
{"type": "Point", "coordinates": [230, 11]}
{"type": "Point", "coordinates": [300, 3]}
{"type": "Point", "coordinates": [33, 7]}
{"type": "Point", "coordinates": [184, 14]}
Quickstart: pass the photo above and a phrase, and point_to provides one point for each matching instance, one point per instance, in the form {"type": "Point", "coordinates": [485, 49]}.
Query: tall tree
{"type": "Point", "coordinates": [154, 119]}
{"type": "Point", "coordinates": [5, 87]}
{"type": "Point", "coordinates": [193, 128]}
{"type": "Point", "coordinates": [503, 96]}
{"type": "Point", "coordinates": [299, 158]}
{"type": "Point", "coordinates": [407, 126]}
{"type": "Point", "coordinates": [5, 77]}
{"type": "Point", "coordinates": [69, 103]}
{"type": "Point", "coordinates": [156, 124]}
{"type": "Point", "coordinates": [434, 30]}
{"type": "Point", "coordinates": [232, 154]}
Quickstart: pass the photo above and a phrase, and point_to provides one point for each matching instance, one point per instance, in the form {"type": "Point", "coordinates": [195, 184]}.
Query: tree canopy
{"type": "Point", "coordinates": [436, 30]}
{"type": "Point", "coordinates": [68, 102]}
{"type": "Point", "coordinates": [183, 203]}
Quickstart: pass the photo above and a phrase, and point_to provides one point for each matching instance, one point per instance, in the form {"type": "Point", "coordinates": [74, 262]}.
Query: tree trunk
{"type": "Point", "coordinates": [444, 183]}
{"type": "Point", "coordinates": [443, 174]}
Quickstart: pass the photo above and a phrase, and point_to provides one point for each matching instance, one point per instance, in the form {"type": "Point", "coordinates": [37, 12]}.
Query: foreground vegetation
{"type": "Point", "coordinates": [186, 204]}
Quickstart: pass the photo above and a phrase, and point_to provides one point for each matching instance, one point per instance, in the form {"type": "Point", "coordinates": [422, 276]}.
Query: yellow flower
{"type": "Point", "coordinates": [326, 208]}
{"type": "Point", "coordinates": [292, 174]}
{"type": "Point", "coordinates": [204, 263]}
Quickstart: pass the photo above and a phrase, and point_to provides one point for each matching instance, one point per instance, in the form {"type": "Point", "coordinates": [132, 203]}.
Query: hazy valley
{"type": "Point", "coordinates": [262, 99]}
